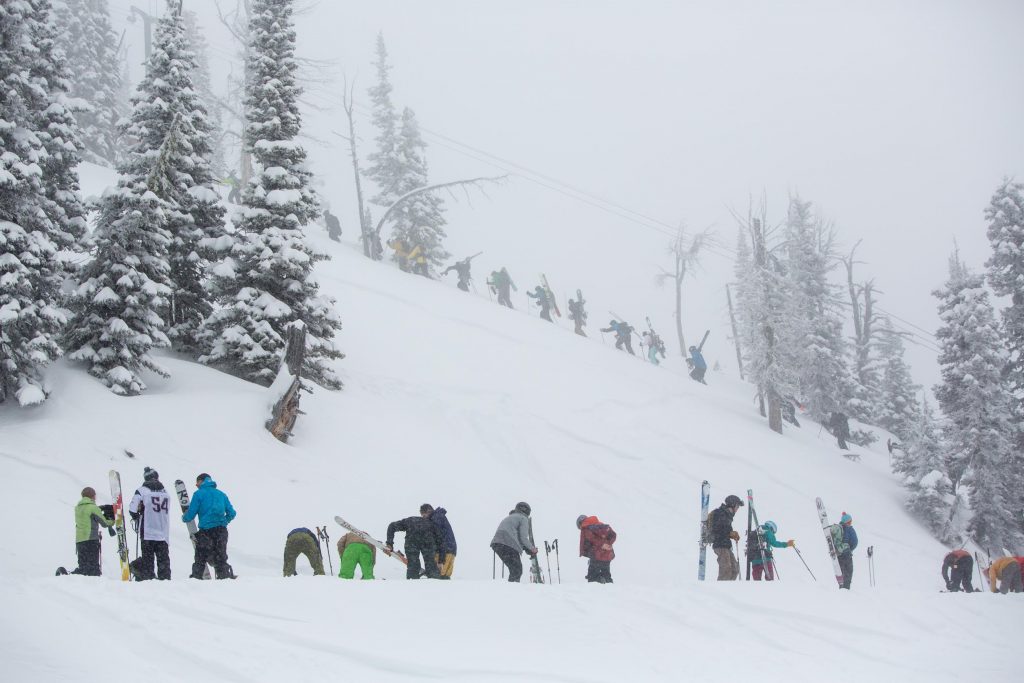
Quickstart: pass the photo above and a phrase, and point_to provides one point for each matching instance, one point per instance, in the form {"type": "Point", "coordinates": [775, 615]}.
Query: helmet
{"type": "Point", "coordinates": [693, 348]}
{"type": "Point", "coordinates": [771, 526]}
{"type": "Point", "coordinates": [524, 508]}
{"type": "Point", "coordinates": [579, 521]}
{"type": "Point", "coordinates": [150, 474]}
{"type": "Point", "coordinates": [733, 501]}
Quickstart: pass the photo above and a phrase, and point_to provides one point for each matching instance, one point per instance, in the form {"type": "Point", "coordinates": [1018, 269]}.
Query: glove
{"type": "Point", "coordinates": [111, 531]}
{"type": "Point", "coordinates": [532, 553]}
{"type": "Point", "coordinates": [389, 548]}
{"type": "Point", "coordinates": [791, 543]}
{"type": "Point", "coordinates": [734, 535]}
{"type": "Point", "coordinates": [949, 585]}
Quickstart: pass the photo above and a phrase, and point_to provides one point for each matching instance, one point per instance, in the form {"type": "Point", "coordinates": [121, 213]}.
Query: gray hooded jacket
{"type": "Point", "coordinates": [514, 532]}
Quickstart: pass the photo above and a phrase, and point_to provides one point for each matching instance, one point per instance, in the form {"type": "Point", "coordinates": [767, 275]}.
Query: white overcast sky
{"type": "Point", "coordinates": [897, 119]}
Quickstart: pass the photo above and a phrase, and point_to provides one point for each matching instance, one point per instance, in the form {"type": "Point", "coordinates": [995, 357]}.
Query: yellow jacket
{"type": "Point", "coordinates": [417, 255]}
{"type": "Point", "coordinates": [997, 568]}
{"type": "Point", "coordinates": [400, 247]}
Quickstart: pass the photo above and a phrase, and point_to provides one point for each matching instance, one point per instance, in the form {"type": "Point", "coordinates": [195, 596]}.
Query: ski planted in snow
{"type": "Point", "coordinates": [825, 527]}
{"type": "Point", "coordinates": [535, 574]}
{"type": "Point", "coordinates": [122, 533]}
{"type": "Point", "coordinates": [551, 295]}
{"type": "Point", "coordinates": [397, 554]}
{"type": "Point", "coordinates": [705, 536]}
{"type": "Point", "coordinates": [762, 545]}
{"type": "Point", "coordinates": [183, 501]}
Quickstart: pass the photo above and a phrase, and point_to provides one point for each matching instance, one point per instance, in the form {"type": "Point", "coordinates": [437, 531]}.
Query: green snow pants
{"type": "Point", "coordinates": [302, 544]}
{"type": "Point", "coordinates": [356, 553]}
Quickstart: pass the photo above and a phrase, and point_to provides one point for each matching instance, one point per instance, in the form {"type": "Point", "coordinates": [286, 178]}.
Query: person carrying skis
{"type": "Point", "coordinates": [512, 538]}
{"type": "Point", "coordinates": [445, 557]}
{"type": "Point", "coordinates": [654, 346]}
{"type": "Point", "coordinates": [722, 536]}
{"type": "Point", "coordinates": [150, 512]}
{"type": "Point", "coordinates": [462, 270]}
{"type": "Point", "coordinates": [596, 541]}
{"type": "Point", "coordinates": [698, 364]}
{"type": "Point", "coordinates": [333, 225]}
{"type": "Point", "coordinates": [1008, 572]}
{"type": "Point", "coordinates": [957, 568]}
{"type": "Point", "coordinates": [421, 538]}
{"type": "Point", "coordinates": [839, 426]}
{"type": "Point", "coordinates": [354, 550]}
{"type": "Point", "coordinates": [500, 283]}
{"type": "Point", "coordinates": [623, 334]}
{"type": "Point", "coordinates": [302, 541]}
{"type": "Point", "coordinates": [578, 314]}
{"type": "Point", "coordinates": [540, 293]}
{"type": "Point", "coordinates": [761, 560]}
{"type": "Point", "coordinates": [89, 517]}
{"type": "Point", "coordinates": [845, 547]}
{"type": "Point", "coordinates": [215, 512]}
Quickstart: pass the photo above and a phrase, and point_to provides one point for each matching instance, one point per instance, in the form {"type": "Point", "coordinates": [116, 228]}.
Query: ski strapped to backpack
{"type": "Point", "coordinates": [760, 544]}
{"type": "Point", "coordinates": [183, 501]}
{"type": "Point", "coordinates": [829, 539]}
{"type": "Point", "coordinates": [551, 295]}
{"type": "Point", "coordinates": [398, 555]}
{"type": "Point", "coordinates": [122, 533]}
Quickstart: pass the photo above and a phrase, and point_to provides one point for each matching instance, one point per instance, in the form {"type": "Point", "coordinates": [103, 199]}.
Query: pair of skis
{"type": "Point", "coordinates": [397, 554]}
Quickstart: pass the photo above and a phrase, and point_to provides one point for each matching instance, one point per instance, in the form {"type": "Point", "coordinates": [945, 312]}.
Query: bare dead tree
{"type": "Point", "coordinates": [370, 245]}
{"type": "Point", "coordinates": [862, 302]}
{"type": "Point", "coordinates": [685, 257]}
{"type": "Point", "coordinates": [465, 184]}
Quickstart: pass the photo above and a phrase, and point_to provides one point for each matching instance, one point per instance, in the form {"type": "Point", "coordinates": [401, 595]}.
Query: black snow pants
{"type": "Point", "coordinates": [846, 564]}
{"type": "Point", "coordinates": [88, 558]}
{"type": "Point", "coordinates": [413, 549]}
{"type": "Point", "coordinates": [510, 558]}
{"type": "Point", "coordinates": [961, 575]}
{"type": "Point", "coordinates": [153, 552]}
{"type": "Point", "coordinates": [599, 571]}
{"type": "Point", "coordinates": [212, 548]}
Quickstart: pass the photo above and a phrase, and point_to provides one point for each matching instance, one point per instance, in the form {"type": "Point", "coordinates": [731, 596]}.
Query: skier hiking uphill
{"type": "Point", "coordinates": [512, 538]}
{"type": "Point", "coordinates": [500, 283]}
{"type": "Point", "coordinates": [89, 517]}
{"type": "Point", "coordinates": [540, 293]}
{"type": "Point", "coordinates": [445, 557]}
{"type": "Point", "coordinates": [302, 541]}
{"type": "Point", "coordinates": [957, 568]}
{"type": "Point", "coordinates": [596, 541]}
{"type": "Point", "coordinates": [761, 559]}
{"type": "Point", "coordinates": [215, 512]}
{"type": "Point", "coordinates": [333, 225]}
{"type": "Point", "coordinates": [354, 550]}
{"type": "Point", "coordinates": [578, 314]}
{"type": "Point", "coordinates": [722, 536]}
{"type": "Point", "coordinates": [421, 538]}
{"type": "Point", "coordinates": [232, 181]}
{"type": "Point", "coordinates": [150, 512]}
{"type": "Point", "coordinates": [462, 270]}
{"type": "Point", "coordinates": [623, 334]}
{"type": "Point", "coordinates": [839, 427]}
{"type": "Point", "coordinates": [402, 251]}
{"type": "Point", "coordinates": [698, 364]}
{"type": "Point", "coordinates": [654, 346]}
{"type": "Point", "coordinates": [418, 259]}
{"type": "Point", "coordinates": [844, 538]}
{"type": "Point", "coordinates": [1008, 572]}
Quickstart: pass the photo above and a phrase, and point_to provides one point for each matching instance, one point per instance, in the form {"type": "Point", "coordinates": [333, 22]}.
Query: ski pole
{"type": "Point", "coordinates": [494, 568]}
{"type": "Point", "coordinates": [737, 577]}
{"type": "Point", "coordinates": [321, 533]}
{"type": "Point", "coordinates": [800, 555]}
{"type": "Point", "coordinates": [547, 556]}
{"type": "Point", "coordinates": [871, 564]}
{"type": "Point", "coordinates": [558, 564]}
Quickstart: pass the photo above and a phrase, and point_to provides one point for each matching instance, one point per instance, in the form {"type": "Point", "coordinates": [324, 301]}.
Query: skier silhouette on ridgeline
{"type": "Point", "coordinates": [500, 283]}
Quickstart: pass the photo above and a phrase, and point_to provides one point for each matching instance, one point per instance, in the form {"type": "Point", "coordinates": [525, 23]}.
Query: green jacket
{"type": "Point", "coordinates": [88, 518]}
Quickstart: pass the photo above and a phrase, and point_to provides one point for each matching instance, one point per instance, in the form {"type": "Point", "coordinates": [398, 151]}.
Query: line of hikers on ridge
{"type": "Point", "coordinates": [430, 545]}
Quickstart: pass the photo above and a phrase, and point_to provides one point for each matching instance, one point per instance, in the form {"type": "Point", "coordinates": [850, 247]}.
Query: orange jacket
{"type": "Point", "coordinates": [997, 568]}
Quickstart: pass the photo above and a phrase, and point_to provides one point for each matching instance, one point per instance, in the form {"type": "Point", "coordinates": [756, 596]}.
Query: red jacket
{"type": "Point", "coordinates": [596, 540]}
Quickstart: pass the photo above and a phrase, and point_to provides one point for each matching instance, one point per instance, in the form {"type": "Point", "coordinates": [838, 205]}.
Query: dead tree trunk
{"type": "Point", "coordinates": [369, 243]}
{"type": "Point", "coordinates": [286, 410]}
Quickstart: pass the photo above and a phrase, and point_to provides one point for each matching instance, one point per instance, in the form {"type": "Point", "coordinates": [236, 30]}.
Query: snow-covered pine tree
{"type": "Point", "coordinates": [386, 168]}
{"type": "Point", "coordinates": [1005, 216]}
{"type": "Point", "coordinates": [864, 364]}
{"type": "Point", "coordinates": [41, 216]}
{"type": "Point", "coordinates": [419, 220]}
{"type": "Point", "coordinates": [822, 374]}
{"type": "Point", "coordinates": [974, 397]}
{"type": "Point", "coordinates": [266, 283]}
{"type": "Point", "coordinates": [199, 46]}
{"type": "Point", "coordinates": [898, 405]}
{"type": "Point", "coordinates": [930, 495]}
{"type": "Point", "coordinates": [85, 35]}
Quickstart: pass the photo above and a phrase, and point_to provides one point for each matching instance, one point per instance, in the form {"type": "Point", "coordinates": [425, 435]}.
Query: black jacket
{"type": "Point", "coordinates": [721, 527]}
{"type": "Point", "coordinates": [420, 533]}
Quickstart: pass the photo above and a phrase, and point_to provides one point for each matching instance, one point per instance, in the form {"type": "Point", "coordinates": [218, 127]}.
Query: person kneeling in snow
{"type": "Point", "coordinates": [89, 517]}
{"type": "Point", "coordinates": [596, 541]}
{"type": "Point", "coordinates": [302, 541]}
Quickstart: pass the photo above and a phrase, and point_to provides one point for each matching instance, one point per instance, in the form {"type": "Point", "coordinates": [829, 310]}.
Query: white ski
{"type": "Point", "coordinates": [823, 516]}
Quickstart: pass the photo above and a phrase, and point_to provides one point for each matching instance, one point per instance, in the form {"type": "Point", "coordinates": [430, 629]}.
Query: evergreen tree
{"type": "Point", "coordinates": [975, 400]}
{"type": "Point", "coordinates": [266, 283]}
{"type": "Point", "coordinates": [419, 220]}
{"type": "Point", "coordinates": [820, 349]}
{"type": "Point", "coordinates": [204, 89]}
{"type": "Point", "coordinates": [898, 406]}
{"type": "Point", "coordinates": [385, 169]}
{"type": "Point", "coordinates": [40, 212]}
{"type": "Point", "coordinates": [922, 465]}
{"type": "Point", "coordinates": [87, 38]}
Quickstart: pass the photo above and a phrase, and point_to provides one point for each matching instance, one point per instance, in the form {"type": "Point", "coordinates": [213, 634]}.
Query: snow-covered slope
{"type": "Point", "coordinates": [453, 400]}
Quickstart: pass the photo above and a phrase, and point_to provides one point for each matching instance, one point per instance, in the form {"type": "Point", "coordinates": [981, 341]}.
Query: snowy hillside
{"type": "Point", "coordinates": [453, 400]}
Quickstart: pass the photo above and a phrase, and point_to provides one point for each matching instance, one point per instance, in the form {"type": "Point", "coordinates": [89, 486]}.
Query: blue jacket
{"type": "Point", "coordinates": [850, 536]}
{"type": "Point", "coordinates": [439, 518]}
{"type": "Point", "coordinates": [698, 360]}
{"type": "Point", "coordinates": [212, 506]}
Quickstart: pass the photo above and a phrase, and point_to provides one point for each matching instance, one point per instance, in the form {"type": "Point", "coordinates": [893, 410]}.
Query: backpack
{"type": "Point", "coordinates": [837, 539]}
{"type": "Point", "coordinates": [753, 545]}
{"type": "Point", "coordinates": [705, 528]}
